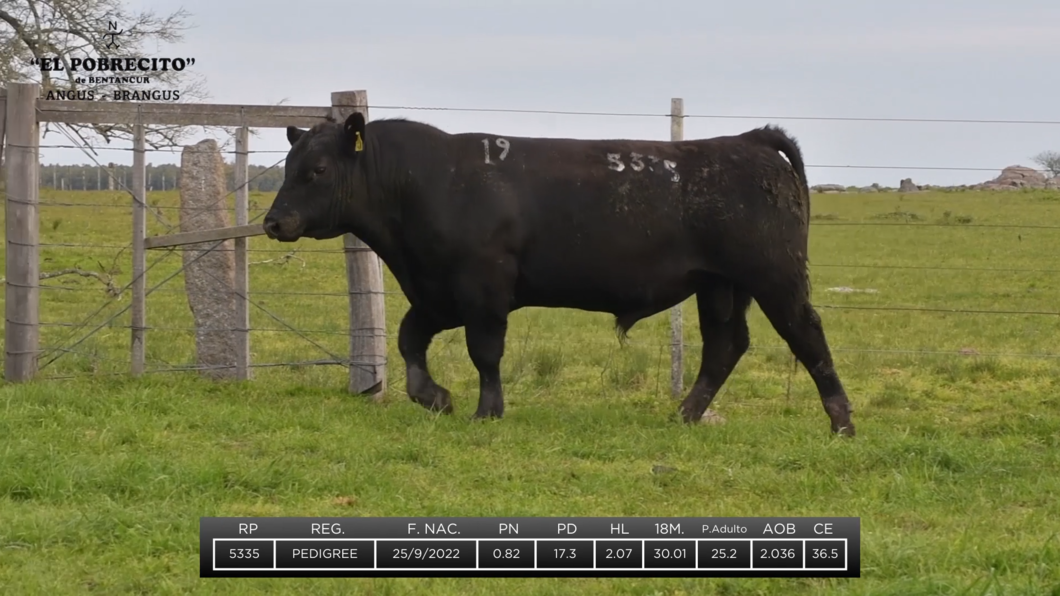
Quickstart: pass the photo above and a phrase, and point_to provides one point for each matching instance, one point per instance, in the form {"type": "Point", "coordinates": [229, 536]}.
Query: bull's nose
{"type": "Point", "coordinates": [272, 227]}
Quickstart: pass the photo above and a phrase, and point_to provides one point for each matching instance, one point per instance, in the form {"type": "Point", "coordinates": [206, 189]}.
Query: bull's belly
{"type": "Point", "coordinates": [617, 288]}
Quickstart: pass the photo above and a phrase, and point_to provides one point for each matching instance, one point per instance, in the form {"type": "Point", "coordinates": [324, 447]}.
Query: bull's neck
{"type": "Point", "coordinates": [359, 216]}
{"type": "Point", "coordinates": [367, 217]}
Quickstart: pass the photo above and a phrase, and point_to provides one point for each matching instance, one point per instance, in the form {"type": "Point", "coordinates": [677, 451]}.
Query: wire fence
{"type": "Point", "coordinates": [894, 276]}
{"type": "Point", "coordinates": [808, 165]}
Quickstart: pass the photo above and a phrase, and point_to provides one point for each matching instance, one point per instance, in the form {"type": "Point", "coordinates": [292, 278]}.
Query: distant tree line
{"type": "Point", "coordinates": [159, 177]}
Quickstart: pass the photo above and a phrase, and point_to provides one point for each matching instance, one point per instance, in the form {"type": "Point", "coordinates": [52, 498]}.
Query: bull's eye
{"type": "Point", "coordinates": [319, 170]}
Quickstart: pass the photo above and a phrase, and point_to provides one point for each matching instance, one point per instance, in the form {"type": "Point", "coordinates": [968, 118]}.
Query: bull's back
{"type": "Point", "coordinates": [632, 190]}
{"type": "Point", "coordinates": [621, 220]}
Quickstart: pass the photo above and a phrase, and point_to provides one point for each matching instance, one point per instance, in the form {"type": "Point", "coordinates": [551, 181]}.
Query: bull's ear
{"type": "Point", "coordinates": [354, 128]}
{"type": "Point", "coordinates": [293, 134]}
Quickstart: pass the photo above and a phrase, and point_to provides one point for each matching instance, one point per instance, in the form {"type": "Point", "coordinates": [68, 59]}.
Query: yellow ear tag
{"type": "Point", "coordinates": [359, 145]}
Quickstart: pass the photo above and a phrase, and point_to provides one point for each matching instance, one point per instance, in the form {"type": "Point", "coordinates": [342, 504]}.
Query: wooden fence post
{"type": "Point", "coordinates": [138, 307]}
{"type": "Point", "coordinates": [364, 278]}
{"type": "Point", "coordinates": [242, 282]}
{"type": "Point", "coordinates": [677, 343]}
{"type": "Point", "coordinates": [3, 119]}
{"type": "Point", "coordinates": [22, 264]}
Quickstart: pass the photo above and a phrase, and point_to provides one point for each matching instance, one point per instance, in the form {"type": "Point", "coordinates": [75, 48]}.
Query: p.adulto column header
{"type": "Point", "coordinates": [530, 527]}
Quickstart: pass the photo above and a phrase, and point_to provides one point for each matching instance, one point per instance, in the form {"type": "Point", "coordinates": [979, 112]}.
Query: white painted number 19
{"type": "Point", "coordinates": [502, 143]}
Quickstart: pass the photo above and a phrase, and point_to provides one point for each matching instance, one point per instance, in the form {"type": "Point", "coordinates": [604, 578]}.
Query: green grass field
{"type": "Point", "coordinates": [955, 472]}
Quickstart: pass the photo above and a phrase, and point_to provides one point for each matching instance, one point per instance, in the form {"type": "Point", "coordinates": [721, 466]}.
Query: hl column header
{"type": "Point", "coordinates": [530, 527]}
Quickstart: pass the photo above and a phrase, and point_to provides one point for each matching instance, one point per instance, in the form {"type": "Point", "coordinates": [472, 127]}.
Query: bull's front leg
{"type": "Point", "coordinates": [414, 337]}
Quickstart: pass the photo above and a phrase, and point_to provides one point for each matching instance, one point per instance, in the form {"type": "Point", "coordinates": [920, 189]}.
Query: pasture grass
{"type": "Point", "coordinates": [955, 472]}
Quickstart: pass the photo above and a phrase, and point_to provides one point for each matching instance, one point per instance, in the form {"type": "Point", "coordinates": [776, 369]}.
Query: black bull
{"type": "Point", "coordinates": [475, 226]}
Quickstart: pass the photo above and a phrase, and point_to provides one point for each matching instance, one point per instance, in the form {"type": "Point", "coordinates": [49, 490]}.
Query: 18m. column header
{"type": "Point", "coordinates": [529, 527]}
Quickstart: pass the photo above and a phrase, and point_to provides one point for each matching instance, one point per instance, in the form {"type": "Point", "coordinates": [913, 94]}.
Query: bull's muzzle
{"type": "Point", "coordinates": [284, 229]}
{"type": "Point", "coordinates": [272, 227]}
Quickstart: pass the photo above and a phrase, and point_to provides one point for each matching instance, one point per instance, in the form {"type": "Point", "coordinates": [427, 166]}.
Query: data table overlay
{"type": "Point", "coordinates": [530, 546]}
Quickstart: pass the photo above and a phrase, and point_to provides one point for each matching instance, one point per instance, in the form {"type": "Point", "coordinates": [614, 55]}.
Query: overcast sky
{"type": "Point", "coordinates": [966, 59]}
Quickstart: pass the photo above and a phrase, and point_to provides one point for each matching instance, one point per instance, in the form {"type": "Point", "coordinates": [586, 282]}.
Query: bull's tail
{"type": "Point", "coordinates": [778, 139]}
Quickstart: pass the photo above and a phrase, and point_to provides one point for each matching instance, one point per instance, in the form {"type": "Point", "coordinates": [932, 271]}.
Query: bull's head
{"type": "Point", "coordinates": [319, 181]}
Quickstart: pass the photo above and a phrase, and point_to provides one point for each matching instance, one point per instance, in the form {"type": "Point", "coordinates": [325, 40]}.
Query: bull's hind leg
{"type": "Point", "coordinates": [414, 337]}
{"type": "Point", "coordinates": [723, 325]}
{"type": "Point", "coordinates": [790, 312]}
{"type": "Point", "coordinates": [485, 345]}
{"type": "Point", "coordinates": [485, 296]}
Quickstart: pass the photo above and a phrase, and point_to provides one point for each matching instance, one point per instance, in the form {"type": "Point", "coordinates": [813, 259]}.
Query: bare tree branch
{"type": "Point", "coordinates": [70, 31]}
{"type": "Point", "coordinates": [1050, 161]}
{"type": "Point", "coordinates": [109, 286]}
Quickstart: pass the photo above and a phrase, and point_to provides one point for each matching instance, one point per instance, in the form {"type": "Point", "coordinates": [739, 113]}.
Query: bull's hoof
{"type": "Point", "coordinates": [844, 430]}
{"type": "Point", "coordinates": [711, 417]}
{"type": "Point", "coordinates": [839, 409]}
{"type": "Point", "coordinates": [436, 399]}
{"type": "Point", "coordinates": [488, 415]}
{"type": "Point", "coordinates": [485, 412]}
{"type": "Point", "coordinates": [689, 415]}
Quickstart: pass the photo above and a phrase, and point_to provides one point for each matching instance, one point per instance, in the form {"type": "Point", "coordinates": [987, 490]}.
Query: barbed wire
{"type": "Point", "coordinates": [85, 148]}
{"type": "Point", "coordinates": [339, 251]}
{"type": "Point", "coordinates": [66, 349]}
{"type": "Point", "coordinates": [886, 308]}
{"type": "Point", "coordinates": [816, 166]}
{"type": "Point", "coordinates": [125, 207]}
{"type": "Point", "coordinates": [933, 225]}
{"type": "Point", "coordinates": [629, 341]}
{"type": "Point", "coordinates": [203, 368]}
{"type": "Point", "coordinates": [812, 223]}
{"type": "Point", "coordinates": [157, 150]}
{"type": "Point", "coordinates": [219, 249]}
{"type": "Point", "coordinates": [715, 116]}
{"type": "Point", "coordinates": [170, 328]}
{"type": "Point", "coordinates": [712, 116]}
{"type": "Point", "coordinates": [658, 369]}
{"type": "Point", "coordinates": [168, 252]}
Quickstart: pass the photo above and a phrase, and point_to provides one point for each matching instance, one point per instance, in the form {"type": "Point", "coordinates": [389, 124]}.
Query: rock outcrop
{"type": "Point", "coordinates": [1014, 177]}
{"type": "Point", "coordinates": [209, 273]}
{"type": "Point", "coordinates": [829, 188]}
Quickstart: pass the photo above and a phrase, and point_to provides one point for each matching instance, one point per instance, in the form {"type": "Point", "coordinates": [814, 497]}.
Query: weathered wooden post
{"type": "Point", "coordinates": [22, 267]}
{"type": "Point", "coordinates": [3, 119]}
{"type": "Point", "coordinates": [677, 343]}
{"type": "Point", "coordinates": [364, 278]}
{"type": "Point", "coordinates": [138, 306]}
{"type": "Point", "coordinates": [242, 280]}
